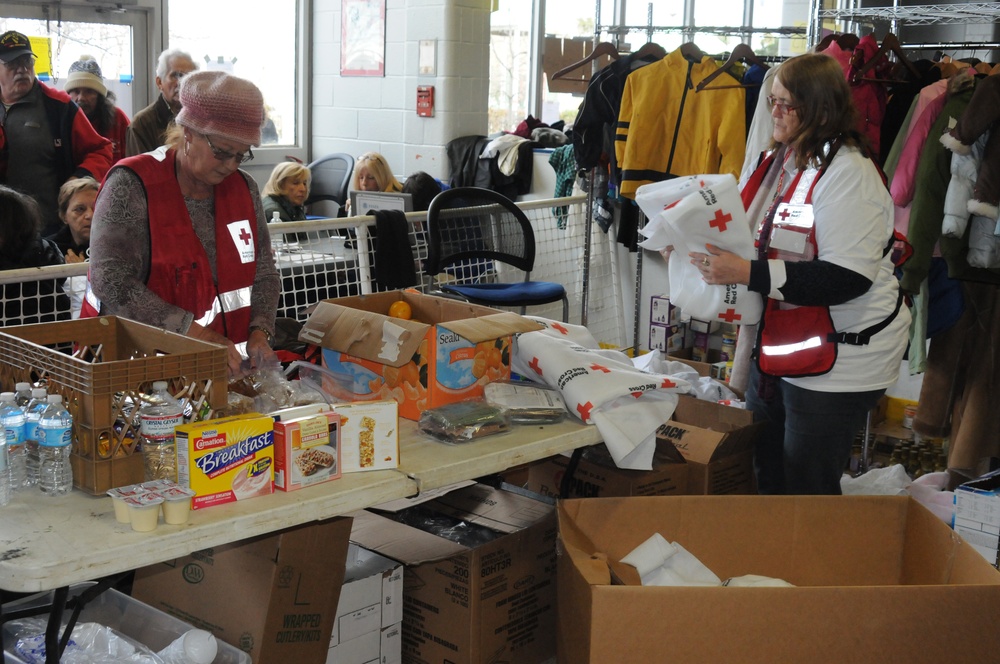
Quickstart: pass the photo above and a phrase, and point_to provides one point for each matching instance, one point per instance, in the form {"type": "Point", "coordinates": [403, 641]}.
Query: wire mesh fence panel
{"type": "Point", "coordinates": [333, 258]}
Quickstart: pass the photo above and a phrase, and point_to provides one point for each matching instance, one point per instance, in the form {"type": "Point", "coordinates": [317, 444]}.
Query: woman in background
{"type": "Point", "coordinates": [372, 173]}
{"type": "Point", "coordinates": [286, 192]}
{"type": "Point", "coordinates": [34, 300]}
{"type": "Point", "coordinates": [76, 210]}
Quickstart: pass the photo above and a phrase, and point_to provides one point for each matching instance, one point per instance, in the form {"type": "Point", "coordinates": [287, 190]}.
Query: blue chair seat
{"type": "Point", "coordinates": [525, 293]}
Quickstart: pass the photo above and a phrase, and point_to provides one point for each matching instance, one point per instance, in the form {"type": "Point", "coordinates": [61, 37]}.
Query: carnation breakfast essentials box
{"type": "Point", "coordinates": [306, 450]}
{"type": "Point", "coordinates": [231, 458]}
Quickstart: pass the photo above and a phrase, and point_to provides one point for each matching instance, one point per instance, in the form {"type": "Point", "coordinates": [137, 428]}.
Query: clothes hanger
{"type": "Point", "coordinates": [847, 41]}
{"type": "Point", "coordinates": [649, 49]}
{"type": "Point", "coordinates": [740, 52]}
{"type": "Point", "coordinates": [691, 51]}
{"type": "Point", "coordinates": [603, 48]}
{"type": "Point", "coordinates": [889, 44]}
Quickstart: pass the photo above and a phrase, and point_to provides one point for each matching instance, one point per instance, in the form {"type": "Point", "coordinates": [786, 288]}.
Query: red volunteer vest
{"type": "Point", "coordinates": [792, 340]}
{"type": "Point", "coordinates": [180, 272]}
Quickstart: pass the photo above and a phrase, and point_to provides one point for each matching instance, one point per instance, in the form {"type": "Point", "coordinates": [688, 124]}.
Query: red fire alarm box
{"type": "Point", "coordinates": [425, 101]}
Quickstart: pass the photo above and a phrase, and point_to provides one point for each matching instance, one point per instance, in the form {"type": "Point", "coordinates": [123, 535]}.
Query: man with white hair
{"type": "Point", "coordinates": [149, 126]}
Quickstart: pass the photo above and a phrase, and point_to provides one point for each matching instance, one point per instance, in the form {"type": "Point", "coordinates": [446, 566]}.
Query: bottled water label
{"type": "Point", "coordinates": [31, 427]}
{"type": "Point", "coordinates": [160, 427]}
{"type": "Point", "coordinates": [55, 436]}
{"type": "Point", "coordinates": [14, 432]}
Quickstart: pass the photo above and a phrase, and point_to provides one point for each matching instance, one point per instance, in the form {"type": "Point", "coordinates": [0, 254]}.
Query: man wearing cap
{"type": "Point", "coordinates": [47, 139]}
{"type": "Point", "coordinates": [179, 239]}
{"type": "Point", "coordinates": [85, 86]}
{"type": "Point", "coordinates": [149, 126]}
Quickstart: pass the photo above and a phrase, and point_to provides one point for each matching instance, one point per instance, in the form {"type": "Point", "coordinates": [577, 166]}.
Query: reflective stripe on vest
{"type": "Point", "coordinates": [226, 302]}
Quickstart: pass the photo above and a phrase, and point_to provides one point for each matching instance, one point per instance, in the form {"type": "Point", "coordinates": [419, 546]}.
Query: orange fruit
{"type": "Point", "coordinates": [400, 309]}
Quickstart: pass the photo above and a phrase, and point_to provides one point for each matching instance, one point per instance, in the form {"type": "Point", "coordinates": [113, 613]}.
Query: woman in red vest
{"type": "Point", "coordinates": [179, 238]}
{"type": "Point", "coordinates": [833, 331]}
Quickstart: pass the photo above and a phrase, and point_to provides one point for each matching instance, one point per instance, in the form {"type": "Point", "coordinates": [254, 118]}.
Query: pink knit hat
{"type": "Point", "coordinates": [216, 103]}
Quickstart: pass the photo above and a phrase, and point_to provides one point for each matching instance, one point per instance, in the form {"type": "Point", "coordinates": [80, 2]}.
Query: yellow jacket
{"type": "Point", "coordinates": [710, 136]}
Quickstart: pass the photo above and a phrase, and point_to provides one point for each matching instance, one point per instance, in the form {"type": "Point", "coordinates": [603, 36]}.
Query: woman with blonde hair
{"type": "Point", "coordinates": [372, 173]}
{"type": "Point", "coordinates": [286, 192]}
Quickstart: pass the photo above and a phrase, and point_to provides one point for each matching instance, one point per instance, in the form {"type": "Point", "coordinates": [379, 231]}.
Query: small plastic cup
{"type": "Point", "coordinates": [121, 509]}
{"type": "Point", "coordinates": [176, 505]}
{"type": "Point", "coordinates": [118, 496]}
{"type": "Point", "coordinates": [144, 511]}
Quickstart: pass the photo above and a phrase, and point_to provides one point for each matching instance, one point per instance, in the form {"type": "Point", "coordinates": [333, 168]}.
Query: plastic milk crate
{"type": "Point", "coordinates": [101, 366]}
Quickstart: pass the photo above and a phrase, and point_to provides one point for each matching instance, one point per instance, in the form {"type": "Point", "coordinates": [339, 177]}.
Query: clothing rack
{"type": "Point", "coordinates": [898, 16]}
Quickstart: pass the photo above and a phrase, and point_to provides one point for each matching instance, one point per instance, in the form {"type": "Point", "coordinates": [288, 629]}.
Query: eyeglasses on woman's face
{"type": "Point", "coordinates": [782, 106]}
{"type": "Point", "coordinates": [225, 155]}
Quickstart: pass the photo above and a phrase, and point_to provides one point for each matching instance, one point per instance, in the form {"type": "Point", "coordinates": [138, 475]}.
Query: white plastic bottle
{"type": "Point", "coordinates": [275, 217]}
{"type": "Point", "coordinates": [157, 421]}
{"type": "Point", "coordinates": [55, 437]}
{"type": "Point", "coordinates": [193, 647]}
{"type": "Point", "coordinates": [12, 422]}
{"type": "Point", "coordinates": [32, 412]}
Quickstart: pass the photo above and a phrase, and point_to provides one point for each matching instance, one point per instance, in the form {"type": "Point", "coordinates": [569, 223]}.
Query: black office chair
{"type": "Point", "coordinates": [468, 228]}
{"type": "Point", "coordinates": [331, 177]}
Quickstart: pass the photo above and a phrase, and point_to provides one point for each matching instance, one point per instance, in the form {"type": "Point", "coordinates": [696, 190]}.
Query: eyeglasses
{"type": "Point", "coordinates": [23, 62]}
{"type": "Point", "coordinates": [782, 106]}
{"type": "Point", "coordinates": [224, 155]}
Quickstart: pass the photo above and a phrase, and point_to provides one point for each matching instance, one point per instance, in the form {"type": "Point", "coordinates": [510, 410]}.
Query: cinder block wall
{"type": "Point", "coordinates": [355, 114]}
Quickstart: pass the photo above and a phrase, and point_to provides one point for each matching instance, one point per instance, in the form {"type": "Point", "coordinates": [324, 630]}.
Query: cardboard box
{"type": "Point", "coordinates": [274, 597]}
{"type": "Point", "coordinates": [228, 459]}
{"type": "Point", "coordinates": [596, 475]}
{"type": "Point", "coordinates": [716, 442]}
{"type": "Point", "coordinates": [481, 605]}
{"type": "Point", "coordinates": [445, 353]}
{"type": "Point", "coordinates": [369, 615]}
{"type": "Point", "coordinates": [977, 515]}
{"type": "Point", "coordinates": [369, 435]}
{"type": "Point", "coordinates": [306, 450]}
{"type": "Point", "coordinates": [878, 579]}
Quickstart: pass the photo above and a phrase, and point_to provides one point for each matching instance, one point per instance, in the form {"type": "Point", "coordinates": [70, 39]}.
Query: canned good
{"type": "Point", "coordinates": [909, 412]}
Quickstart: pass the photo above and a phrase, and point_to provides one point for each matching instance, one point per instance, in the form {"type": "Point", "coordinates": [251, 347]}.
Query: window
{"type": "Point", "coordinates": [511, 39]}
{"type": "Point", "coordinates": [220, 37]}
{"type": "Point", "coordinates": [65, 42]}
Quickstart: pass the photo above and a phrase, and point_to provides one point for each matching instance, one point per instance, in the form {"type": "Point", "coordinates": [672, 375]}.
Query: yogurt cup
{"type": "Point", "coordinates": [118, 496]}
{"type": "Point", "coordinates": [121, 509]}
{"type": "Point", "coordinates": [144, 511]}
{"type": "Point", "coordinates": [176, 505]}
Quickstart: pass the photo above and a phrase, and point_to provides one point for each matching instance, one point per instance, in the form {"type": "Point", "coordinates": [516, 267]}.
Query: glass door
{"type": "Point", "coordinates": [114, 37]}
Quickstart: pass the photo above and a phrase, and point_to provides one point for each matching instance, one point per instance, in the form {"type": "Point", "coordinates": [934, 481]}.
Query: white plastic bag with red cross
{"type": "Point", "coordinates": [688, 213]}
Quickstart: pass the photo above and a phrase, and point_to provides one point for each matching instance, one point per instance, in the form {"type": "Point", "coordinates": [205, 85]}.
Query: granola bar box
{"type": "Point", "coordinates": [228, 459]}
{"type": "Point", "coordinates": [369, 435]}
{"type": "Point", "coordinates": [306, 450]}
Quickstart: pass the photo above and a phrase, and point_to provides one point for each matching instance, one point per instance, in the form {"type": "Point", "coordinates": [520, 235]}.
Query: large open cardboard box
{"type": "Point", "coordinates": [878, 579]}
{"type": "Point", "coordinates": [484, 604]}
{"type": "Point", "coordinates": [274, 597]}
{"type": "Point", "coordinates": [445, 353]}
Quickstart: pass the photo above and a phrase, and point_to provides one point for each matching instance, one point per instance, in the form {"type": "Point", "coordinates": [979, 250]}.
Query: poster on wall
{"type": "Point", "coordinates": [362, 39]}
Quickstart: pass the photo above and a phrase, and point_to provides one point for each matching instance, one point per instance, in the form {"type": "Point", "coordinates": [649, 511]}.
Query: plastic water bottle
{"type": "Point", "coordinates": [5, 490]}
{"type": "Point", "coordinates": [12, 422]}
{"type": "Point", "coordinates": [55, 437]}
{"type": "Point", "coordinates": [193, 647]}
{"type": "Point", "coordinates": [157, 421]}
{"type": "Point", "coordinates": [32, 413]}
{"type": "Point", "coordinates": [22, 394]}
